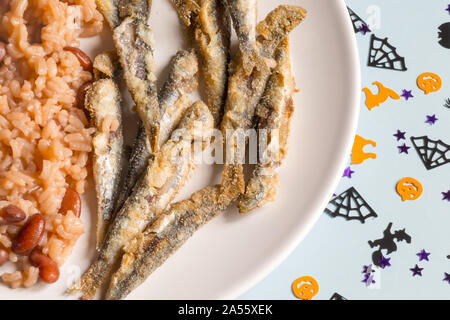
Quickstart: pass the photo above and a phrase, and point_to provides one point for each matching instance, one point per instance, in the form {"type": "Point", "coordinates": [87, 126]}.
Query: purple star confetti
{"type": "Point", "coordinates": [400, 135]}
{"type": "Point", "coordinates": [364, 29]}
{"type": "Point", "coordinates": [368, 269]}
{"type": "Point", "coordinates": [446, 277]}
{"type": "Point", "coordinates": [407, 94]}
{"type": "Point", "coordinates": [368, 279]}
{"type": "Point", "coordinates": [448, 9]}
{"type": "Point", "coordinates": [423, 255]}
{"type": "Point", "coordinates": [446, 195]}
{"type": "Point", "coordinates": [431, 119]}
{"type": "Point", "coordinates": [403, 148]}
{"type": "Point", "coordinates": [348, 173]}
{"type": "Point", "coordinates": [384, 262]}
{"type": "Point", "coordinates": [416, 271]}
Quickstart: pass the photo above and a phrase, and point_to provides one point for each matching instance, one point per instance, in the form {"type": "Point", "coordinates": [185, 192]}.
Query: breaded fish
{"type": "Point", "coordinates": [209, 24]}
{"type": "Point", "coordinates": [134, 43]}
{"type": "Point", "coordinates": [245, 89]}
{"type": "Point", "coordinates": [162, 238]}
{"type": "Point", "coordinates": [115, 11]}
{"type": "Point", "coordinates": [103, 101]}
{"type": "Point", "coordinates": [174, 102]}
{"type": "Point", "coordinates": [273, 115]}
{"type": "Point", "coordinates": [173, 98]}
{"type": "Point", "coordinates": [244, 16]}
{"type": "Point", "coordinates": [152, 194]}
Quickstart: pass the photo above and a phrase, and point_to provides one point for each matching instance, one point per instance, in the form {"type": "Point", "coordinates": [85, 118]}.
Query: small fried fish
{"type": "Point", "coordinates": [209, 24]}
{"type": "Point", "coordinates": [163, 178]}
{"type": "Point", "coordinates": [273, 113]}
{"type": "Point", "coordinates": [174, 102]}
{"type": "Point", "coordinates": [245, 89]}
{"type": "Point", "coordinates": [103, 101]}
{"type": "Point", "coordinates": [162, 238]}
{"type": "Point", "coordinates": [134, 43]}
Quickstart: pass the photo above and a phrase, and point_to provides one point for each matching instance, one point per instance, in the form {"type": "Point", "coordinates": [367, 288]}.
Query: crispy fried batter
{"type": "Point", "coordinates": [103, 101]}
{"type": "Point", "coordinates": [210, 26]}
{"type": "Point", "coordinates": [273, 116]}
{"type": "Point", "coordinates": [170, 231]}
{"type": "Point", "coordinates": [152, 194]}
{"type": "Point", "coordinates": [245, 89]}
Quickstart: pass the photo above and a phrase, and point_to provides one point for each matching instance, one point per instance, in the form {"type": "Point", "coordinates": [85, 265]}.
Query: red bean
{"type": "Point", "coordinates": [72, 202]}
{"type": "Point", "coordinates": [2, 51]}
{"type": "Point", "coordinates": [29, 236]}
{"type": "Point", "coordinates": [81, 95]}
{"type": "Point", "coordinates": [3, 256]}
{"type": "Point", "coordinates": [12, 214]}
{"type": "Point", "coordinates": [82, 57]}
{"type": "Point", "coordinates": [48, 269]}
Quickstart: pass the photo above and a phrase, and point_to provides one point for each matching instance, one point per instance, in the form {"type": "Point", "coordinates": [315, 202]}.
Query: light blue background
{"type": "Point", "coordinates": [335, 250]}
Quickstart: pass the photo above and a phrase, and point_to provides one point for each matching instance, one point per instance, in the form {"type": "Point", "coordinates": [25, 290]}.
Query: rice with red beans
{"type": "Point", "coordinates": [45, 139]}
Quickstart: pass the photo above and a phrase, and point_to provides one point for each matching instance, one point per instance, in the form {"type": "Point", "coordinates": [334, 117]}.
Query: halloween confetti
{"type": "Point", "coordinates": [416, 271]}
{"type": "Point", "coordinates": [444, 35]}
{"type": "Point", "coordinates": [384, 55]}
{"type": "Point", "coordinates": [431, 119]}
{"type": "Point", "coordinates": [356, 20]}
{"type": "Point", "coordinates": [409, 189]}
{"type": "Point", "coordinates": [447, 277]}
{"type": "Point", "coordinates": [447, 103]}
{"type": "Point", "coordinates": [407, 94]}
{"type": "Point", "coordinates": [433, 153]}
{"type": "Point", "coordinates": [305, 288]}
{"type": "Point", "coordinates": [358, 154]}
{"type": "Point", "coordinates": [384, 93]}
{"type": "Point", "coordinates": [351, 206]}
{"type": "Point", "coordinates": [400, 135]}
{"type": "Point", "coordinates": [423, 255]}
{"type": "Point", "coordinates": [429, 82]}
{"type": "Point", "coordinates": [388, 244]}
{"type": "Point", "coordinates": [337, 296]}
{"type": "Point", "coordinates": [446, 196]}
{"type": "Point", "coordinates": [403, 148]}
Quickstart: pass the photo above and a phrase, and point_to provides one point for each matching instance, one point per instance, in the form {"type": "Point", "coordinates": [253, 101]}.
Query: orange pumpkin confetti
{"type": "Point", "coordinates": [384, 93]}
{"type": "Point", "coordinates": [429, 82]}
{"type": "Point", "coordinates": [305, 288]}
{"type": "Point", "coordinates": [409, 189]}
{"type": "Point", "coordinates": [358, 154]}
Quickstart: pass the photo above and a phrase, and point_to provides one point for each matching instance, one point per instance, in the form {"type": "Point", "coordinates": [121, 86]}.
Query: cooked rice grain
{"type": "Point", "coordinates": [44, 139]}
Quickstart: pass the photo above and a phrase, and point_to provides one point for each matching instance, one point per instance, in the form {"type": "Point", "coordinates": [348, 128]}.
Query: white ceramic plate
{"type": "Point", "coordinates": [234, 252]}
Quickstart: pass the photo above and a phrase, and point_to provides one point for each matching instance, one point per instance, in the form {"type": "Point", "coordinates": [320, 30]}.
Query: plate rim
{"type": "Point", "coordinates": [303, 229]}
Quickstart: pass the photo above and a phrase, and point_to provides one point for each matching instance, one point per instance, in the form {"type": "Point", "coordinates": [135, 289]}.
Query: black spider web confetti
{"type": "Point", "coordinates": [433, 153]}
{"type": "Point", "coordinates": [351, 206]}
{"type": "Point", "coordinates": [337, 296]}
{"type": "Point", "coordinates": [356, 20]}
{"type": "Point", "coordinates": [383, 55]}
{"type": "Point", "coordinates": [447, 103]}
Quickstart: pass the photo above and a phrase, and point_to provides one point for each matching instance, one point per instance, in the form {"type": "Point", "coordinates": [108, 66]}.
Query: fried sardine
{"type": "Point", "coordinates": [152, 194]}
{"type": "Point", "coordinates": [173, 102]}
{"type": "Point", "coordinates": [103, 101]}
{"type": "Point", "coordinates": [209, 24]}
{"type": "Point", "coordinates": [162, 238]}
{"type": "Point", "coordinates": [273, 116]}
{"type": "Point", "coordinates": [247, 84]}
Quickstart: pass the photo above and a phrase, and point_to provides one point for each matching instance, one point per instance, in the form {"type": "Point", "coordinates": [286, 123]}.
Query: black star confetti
{"type": "Point", "coordinates": [387, 243]}
{"type": "Point", "coordinates": [356, 20]}
{"type": "Point", "coordinates": [337, 296]}
{"type": "Point", "coordinates": [416, 271]}
{"type": "Point", "coordinates": [351, 206]}
{"type": "Point", "coordinates": [432, 153]}
{"type": "Point", "coordinates": [384, 55]}
{"type": "Point", "coordinates": [444, 35]}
